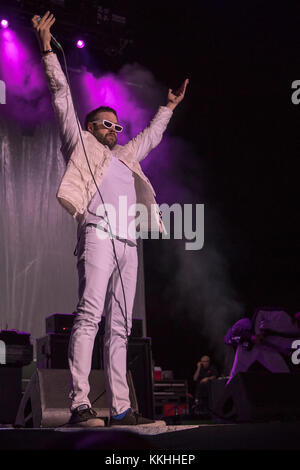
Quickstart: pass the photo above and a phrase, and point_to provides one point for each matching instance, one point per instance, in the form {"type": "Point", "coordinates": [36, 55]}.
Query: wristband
{"type": "Point", "coordinates": [47, 51]}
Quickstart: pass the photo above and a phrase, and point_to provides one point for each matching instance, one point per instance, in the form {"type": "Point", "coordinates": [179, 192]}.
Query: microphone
{"type": "Point", "coordinates": [55, 42]}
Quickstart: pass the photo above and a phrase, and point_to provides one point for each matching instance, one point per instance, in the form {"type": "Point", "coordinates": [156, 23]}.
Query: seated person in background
{"type": "Point", "coordinates": [266, 340]}
{"type": "Point", "coordinates": [204, 373]}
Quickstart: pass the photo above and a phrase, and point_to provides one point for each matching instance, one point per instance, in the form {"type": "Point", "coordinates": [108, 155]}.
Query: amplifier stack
{"type": "Point", "coordinates": [16, 351]}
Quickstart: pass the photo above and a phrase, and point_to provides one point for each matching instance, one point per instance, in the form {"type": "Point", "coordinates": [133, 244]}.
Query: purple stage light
{"type": "Point", "coordinates": [80, 43]}
{"type": "Point", "coordinates": [4, 23]}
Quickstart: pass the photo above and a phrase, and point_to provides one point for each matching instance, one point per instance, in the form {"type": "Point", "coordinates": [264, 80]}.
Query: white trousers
{"type": "Point", "coordinates": [100, 289]}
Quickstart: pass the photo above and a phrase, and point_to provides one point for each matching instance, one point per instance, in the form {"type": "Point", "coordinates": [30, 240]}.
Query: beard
{"type": "Point", "coordinates": [109, 139]}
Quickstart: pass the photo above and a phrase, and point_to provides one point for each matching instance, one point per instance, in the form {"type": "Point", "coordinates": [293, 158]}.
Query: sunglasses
{"type": "Point", "coordinates": [109, 124]}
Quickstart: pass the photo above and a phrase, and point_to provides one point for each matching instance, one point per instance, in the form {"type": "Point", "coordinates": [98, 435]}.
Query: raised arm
{"type": "Point", "coordinates": [150, 137]}
{"type": "Point", "coordinates": [197, 371]}
{"type": "Point", "coordinates": [57, 82]}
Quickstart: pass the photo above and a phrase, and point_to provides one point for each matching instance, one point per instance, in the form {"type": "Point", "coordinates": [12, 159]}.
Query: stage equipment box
{"type": "Point", "coordinates": [62, 323]}
{"type": "Point", "coordinates": [15, 348]}
{"type": "Point", "coordinates": [10, 393]}
{"type": "Point", "coordinates": [52, 352]}
{"type": "Point", "coordinates": [170, 397]}
{"type": "Point", "coordinates": [15, 352]}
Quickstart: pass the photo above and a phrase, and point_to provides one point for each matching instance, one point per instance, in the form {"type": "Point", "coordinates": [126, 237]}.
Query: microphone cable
{"type": "Point", "coordinates": [58, 45]}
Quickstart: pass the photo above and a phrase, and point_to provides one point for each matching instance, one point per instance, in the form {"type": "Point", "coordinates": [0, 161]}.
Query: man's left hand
{"type": "Point", "coordinates": [174, 98]}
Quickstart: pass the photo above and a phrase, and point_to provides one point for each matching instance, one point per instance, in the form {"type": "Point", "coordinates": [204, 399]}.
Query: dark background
{"type": "Point", "coordinates": [241, 58]}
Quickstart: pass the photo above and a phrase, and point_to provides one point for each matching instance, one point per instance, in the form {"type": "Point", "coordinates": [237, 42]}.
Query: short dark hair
{"type": "Point", "coordinates": [92, 115]}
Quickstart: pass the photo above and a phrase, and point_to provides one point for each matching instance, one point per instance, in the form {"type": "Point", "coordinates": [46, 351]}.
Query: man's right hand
{"type": "Point", "coordinates": [42, 29]}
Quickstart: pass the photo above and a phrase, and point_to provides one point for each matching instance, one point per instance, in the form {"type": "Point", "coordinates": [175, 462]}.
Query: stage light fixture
{"type": "Point", "coordinates": [4, 23]}
{"type": "Point", "coordinates": [80, 43]}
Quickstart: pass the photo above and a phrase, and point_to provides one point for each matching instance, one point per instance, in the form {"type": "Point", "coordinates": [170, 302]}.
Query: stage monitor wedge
{"type": "Point", "coordinates": [260, 396]}
{"type": "Point", "coordinates": [45, 403]}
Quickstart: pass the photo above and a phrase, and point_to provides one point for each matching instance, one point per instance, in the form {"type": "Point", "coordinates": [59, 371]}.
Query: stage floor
{"type": "Point", "coordinates": [247, 436]}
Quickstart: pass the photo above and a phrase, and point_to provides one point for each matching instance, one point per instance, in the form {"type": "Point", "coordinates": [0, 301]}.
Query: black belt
{"type": "Point", "coordinates": [124, 240]}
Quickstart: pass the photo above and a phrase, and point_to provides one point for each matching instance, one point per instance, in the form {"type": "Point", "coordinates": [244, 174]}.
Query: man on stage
{"type": "Point", "coordinates": [102, 280]}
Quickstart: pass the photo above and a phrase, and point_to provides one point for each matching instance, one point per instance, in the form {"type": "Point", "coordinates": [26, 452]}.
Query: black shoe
{"type": "Point", "coordinates": [85, 417]}
{"type": "Point", "coordinates": [134, 419]}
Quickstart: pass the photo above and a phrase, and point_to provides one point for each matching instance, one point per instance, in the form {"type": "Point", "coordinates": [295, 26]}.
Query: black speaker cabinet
{"type": "Point", "coordinates": [45, 403]}
{"type": "Point", "coordinates": [139, 363]}
{"type": "Point", "coordinates": [260, 396]}
{"type": "Point", "coordinates": [216, 389]}
{"type": "Point", "coordinates": [52, 352]}
{"type": "Point", "coordinates": [10, 393]}
{"type": "Point", "coordinates": [62, 323]}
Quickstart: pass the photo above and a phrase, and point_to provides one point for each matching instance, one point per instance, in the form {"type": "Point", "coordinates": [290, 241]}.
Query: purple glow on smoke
{"type": "Point", "coordinates": [26, 85]}
{"type": "Point", "coordinates": [134, 113]}
{"type": "Point", "coordinates": [131, 93]}
{"type": "Point", "coordinates": [110, 91]}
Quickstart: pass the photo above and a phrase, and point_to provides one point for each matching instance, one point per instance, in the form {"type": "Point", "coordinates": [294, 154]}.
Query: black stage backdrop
{"type": "Point", "coordinates": [242, 58]}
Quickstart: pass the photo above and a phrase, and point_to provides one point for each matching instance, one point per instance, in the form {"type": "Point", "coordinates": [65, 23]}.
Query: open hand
{"type": "Point", "coordinates": [42, 28]}
{"type": "Point", "coordinates": [175, 97]}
